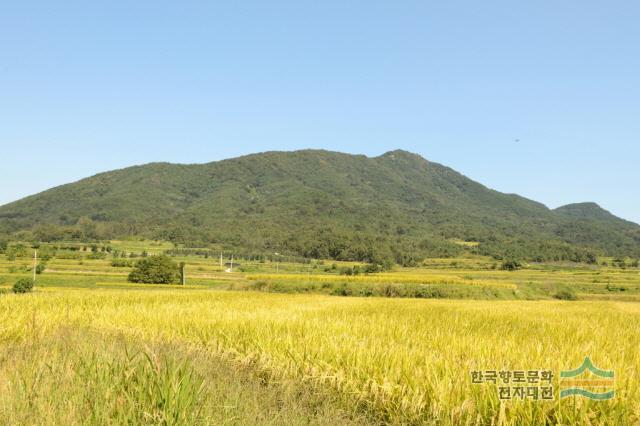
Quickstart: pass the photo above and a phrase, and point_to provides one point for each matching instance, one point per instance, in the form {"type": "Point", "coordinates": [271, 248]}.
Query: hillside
{"type": "Point", "coordinates": [590, 211]}
{"type": "Point", "coordinates": [319, 204]}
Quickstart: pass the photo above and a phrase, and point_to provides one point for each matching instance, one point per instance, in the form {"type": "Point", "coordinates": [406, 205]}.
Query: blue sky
{"type": "Point", "coordinates": [538, 98]}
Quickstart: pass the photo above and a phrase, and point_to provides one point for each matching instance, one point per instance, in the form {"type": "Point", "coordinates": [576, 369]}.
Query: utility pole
{"type": "Point", "coordinates": [221, 261]}
{"type": "Point", "coordinates": [231, 268]}
{"type": "Point", "coordinates": [35, 263]}
{"type": "Point", "coordinates": [183, 276]}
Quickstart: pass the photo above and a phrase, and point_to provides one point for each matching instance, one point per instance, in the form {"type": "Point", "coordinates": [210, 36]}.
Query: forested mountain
{"type": "Point", "coordinates": [319, 204]}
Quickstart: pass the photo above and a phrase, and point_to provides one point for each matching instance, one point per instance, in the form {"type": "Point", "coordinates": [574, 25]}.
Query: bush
{"type": "Point", "coordinates": [372, 268]}
{"type": "Point", "coordinates": [40, 267]}
{"type": "Point", "coordinates": [155, 270]}
{"type": "Point", "coordinates": [121, 263]}
{"type": "Point", "coordinates": [565, 294]}
{"type": "Point", "coordinates": [343, 290]}
{"type": "Point", "coordinates": [428, 292]}
{"type": "Point", "coordinates": [615, 288]}
{"type": "Point", "coordinates": [511, 265]}
{"type": "Point", "coordinates": [346, 271]}
{"type": "Point", "coordinates": [23, 285]}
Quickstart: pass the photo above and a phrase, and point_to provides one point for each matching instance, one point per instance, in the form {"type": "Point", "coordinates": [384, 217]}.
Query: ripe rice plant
{"type": "Point", "coordinates": [398, 360]}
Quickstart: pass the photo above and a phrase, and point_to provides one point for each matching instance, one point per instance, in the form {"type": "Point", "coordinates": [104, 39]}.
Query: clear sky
{"type": "Point", "coordinates": [540, 98]}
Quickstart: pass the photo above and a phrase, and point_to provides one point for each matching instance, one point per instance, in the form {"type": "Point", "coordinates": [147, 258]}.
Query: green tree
{"type": "Point", "coordinates": [47, 232]}
{"type": "Point", "coordinates": [23, 285]}
{"type": "Point", "coordinates": [41, 267]}
{"type": "Point", "coordinates": [87, 227]}
{"type": "Point", "coordinates": [511, 265]}
{"type": "Point", "coordinates": [155, 270]}
{"type": "Point", "coordinates": [11, 253]}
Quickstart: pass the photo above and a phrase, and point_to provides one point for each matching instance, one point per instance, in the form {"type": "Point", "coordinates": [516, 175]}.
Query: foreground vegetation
{"type": "Point", "coordinates": [81, 376]}
{"type": "Point", "coordinates": [87, 346]}
{"type": "Point", "coordinates": [388, 360]}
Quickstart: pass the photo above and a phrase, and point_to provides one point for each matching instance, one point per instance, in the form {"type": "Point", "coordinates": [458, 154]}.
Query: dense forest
{"type": "Point", "coordinates": [396, 207]}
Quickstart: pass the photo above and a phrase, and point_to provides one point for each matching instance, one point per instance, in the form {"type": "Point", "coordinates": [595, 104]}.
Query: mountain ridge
{"type": "Point", "coordinates": [315, 203]}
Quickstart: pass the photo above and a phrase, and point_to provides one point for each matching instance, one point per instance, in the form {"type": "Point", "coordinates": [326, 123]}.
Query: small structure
{"type": "Point", "coordinates": [230, 265]}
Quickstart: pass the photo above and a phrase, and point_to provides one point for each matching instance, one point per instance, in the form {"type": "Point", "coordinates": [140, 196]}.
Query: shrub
{"type": "Point", "coordinates": [121, 263]}
{"type": "Point", "coordinates": [615, 288]}
{"type": "Point", "coordinates": [23, 285]}
{"type": "Point", "coordinates": [346, 271]}
{"type": "Point", "coordinates": [155, 270]}
{"type": "Point", "coordinates": [372, 268]}
{"type": "Point", "coordinates": [343, 290]}
{"type": "Point", "coordinates": [565, 294]}
{"type": "Point", "coordinates": [260, 285]}
{"type": "Point", "coordinates": [391, 290]}
{"type": "Point", "coordinates": [427, 292]}
{"type": "Point", "coordinates": [511, 265]}
{"type": "Point", "coordinates": [40, 267]}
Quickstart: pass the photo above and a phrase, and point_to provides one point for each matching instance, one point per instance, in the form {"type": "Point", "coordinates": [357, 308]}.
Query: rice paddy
{"type": "Point", "coordinates": [143, 353]}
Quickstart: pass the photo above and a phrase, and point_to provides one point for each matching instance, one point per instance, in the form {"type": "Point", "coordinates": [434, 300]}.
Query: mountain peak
{"type": "Point", "coordinates": [403, 156]}
{"type": "Point", "coordinates": [586, 210]}
{"type": "Point", "coordinates": [400, 153]}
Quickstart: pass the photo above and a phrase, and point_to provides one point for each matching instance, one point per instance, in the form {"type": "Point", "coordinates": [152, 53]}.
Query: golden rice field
{"type": "Point", "coordinates": [398, 361]}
